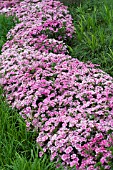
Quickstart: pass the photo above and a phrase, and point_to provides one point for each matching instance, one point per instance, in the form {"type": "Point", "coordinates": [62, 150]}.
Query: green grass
{"type": "Point", "coordinates": [93, 21]}
{"type": "Point", "coordinates": [70, 2]}
{"type": "Point", "coordinates": [18, 150]}
{"type": "Point", "coordinates": [6, 23]}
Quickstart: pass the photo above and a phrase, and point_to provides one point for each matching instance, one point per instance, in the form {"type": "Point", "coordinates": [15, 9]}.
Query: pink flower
{"type": "Point", "coordinates": [68, 149]}
{"type": "Point", "coordinates": [73, 163]}
{"type": "Point", "coordinates": [41, 154]}
{"type": "Point", "coordinates": [64, 157]}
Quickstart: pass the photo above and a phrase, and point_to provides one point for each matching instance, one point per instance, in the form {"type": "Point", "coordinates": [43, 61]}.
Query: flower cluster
{"type": "Point", "coordinates": [7, 3]}
{"type": "Point", "coordinates": [69, 103]}
{"type": "Point", "coordinates": [47, 17]}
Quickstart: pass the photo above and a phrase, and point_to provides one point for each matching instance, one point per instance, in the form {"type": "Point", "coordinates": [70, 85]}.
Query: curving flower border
{"type": "Point", "coordinates": [69, 103]}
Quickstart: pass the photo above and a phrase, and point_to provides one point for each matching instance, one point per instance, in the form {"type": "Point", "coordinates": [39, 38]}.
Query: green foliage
{"type": "Point", "coordinates": [36, 164]}
{"type": "Point", "coordinates": [93, 21]}
{"type": "Point", "coordinates": [6, 23]}
{"type": "Point", "coordinates": [18, 150]}
{"type": "Point", "coordinates": [70, 2]}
